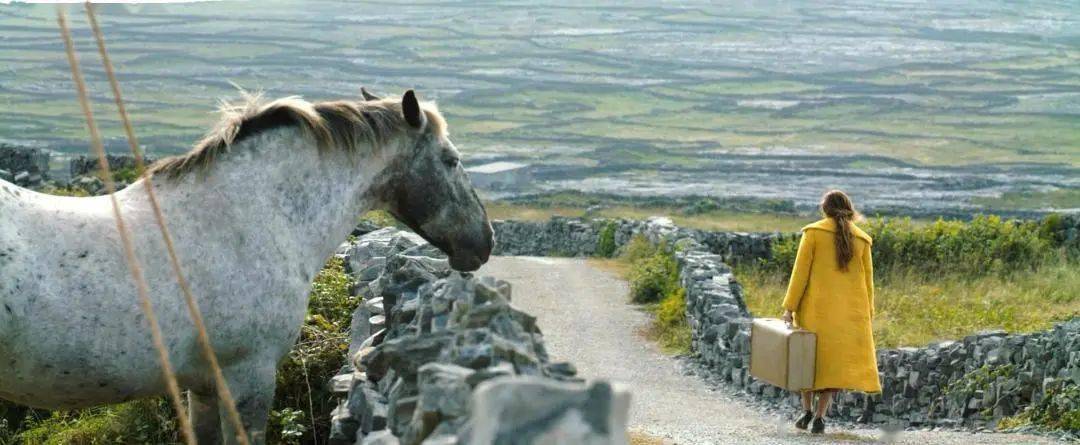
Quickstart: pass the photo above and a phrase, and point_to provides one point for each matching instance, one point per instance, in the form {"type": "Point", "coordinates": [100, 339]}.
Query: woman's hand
{"type": "Point", "coordinates": [788, 318]}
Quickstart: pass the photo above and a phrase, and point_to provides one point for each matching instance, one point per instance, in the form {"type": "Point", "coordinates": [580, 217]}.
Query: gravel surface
{"type": "Point", "coordinates": [584, 314]}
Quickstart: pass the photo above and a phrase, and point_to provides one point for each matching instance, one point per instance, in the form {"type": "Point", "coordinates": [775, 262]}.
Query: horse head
{"type": "Point", "coordinates": [426, 188]}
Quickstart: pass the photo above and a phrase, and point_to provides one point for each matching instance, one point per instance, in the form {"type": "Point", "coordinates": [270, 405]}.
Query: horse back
{"type": "Point", "coordinates": [12, 202]}
{"type": "Point", "coordinates": [41, 240]}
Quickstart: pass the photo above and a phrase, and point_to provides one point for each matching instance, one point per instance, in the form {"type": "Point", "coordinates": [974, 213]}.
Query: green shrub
{"type": "Point", "coordinates": [654, 276]}
{"type": "Point", "coordinates": [65, 191]}
{"type": "Point", "coordinates": [985, 245]}
{"type": "Point", "coordinates": [302, 395]}
{"type": "Point", "coordinates": [605, 243]}
{"type": "Point", "coordinates": [290, 424]}
{"type": "Point", "coordinates": [127, 174]}
{"type": "Point", "coordinates": [637, 249]}
{"type": "Point", "coordinates": [670, 328]}
{"type": "Point", "coordinates": [136, 422]}
{"type": "Point", "coordinates": [782, 257]}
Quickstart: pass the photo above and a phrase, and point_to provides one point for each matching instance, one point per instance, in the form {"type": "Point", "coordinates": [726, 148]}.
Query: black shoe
{"type": "Point", "coordinates": [819, 426]}
{"type": "Point", "coordinates": [804, 420]}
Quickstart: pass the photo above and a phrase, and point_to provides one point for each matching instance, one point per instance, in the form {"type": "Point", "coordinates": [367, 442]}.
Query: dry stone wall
{"type": "Point", "coordinates": [440, 357]}
{"type": "Point", "coordinates": [577, 237]}
{"type": "Point", "coordinates": [24, 166]}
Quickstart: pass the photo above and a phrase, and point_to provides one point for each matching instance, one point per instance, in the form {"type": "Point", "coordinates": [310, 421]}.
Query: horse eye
{"type": "Point", "coordinates": [450, 162]}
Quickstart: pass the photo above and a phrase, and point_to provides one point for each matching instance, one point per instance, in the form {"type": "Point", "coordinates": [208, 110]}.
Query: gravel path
{"type": "Point", "coordinates": [586, 320]}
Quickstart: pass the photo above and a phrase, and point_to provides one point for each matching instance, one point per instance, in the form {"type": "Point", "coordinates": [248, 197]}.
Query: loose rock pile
{"type": "Point", "coordinates": [83, 165]}
{"type": "Point", "coordinates": [440, 357]}
{"type": "Point", "coordinates": [23, 166]}
{"type": "Point", "coordinates": [29, 167]}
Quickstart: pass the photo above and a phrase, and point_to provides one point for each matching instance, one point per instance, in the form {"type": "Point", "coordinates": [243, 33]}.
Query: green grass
{"type": "Point", "coordinates": [1054, 199]}
{"type": "Point", "coordinates": [141, 421]}
{"type": "Point", "coordinates": [914, 309]}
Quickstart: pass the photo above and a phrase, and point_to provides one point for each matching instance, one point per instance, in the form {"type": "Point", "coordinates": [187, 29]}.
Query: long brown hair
{"type": "Point", "coordinates": [837, 205]}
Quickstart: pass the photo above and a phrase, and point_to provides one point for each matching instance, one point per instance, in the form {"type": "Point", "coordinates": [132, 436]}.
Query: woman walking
{"type": "Point", "coordinates": [831, 294]}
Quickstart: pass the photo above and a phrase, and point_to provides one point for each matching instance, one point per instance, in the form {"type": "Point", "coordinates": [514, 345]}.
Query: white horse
{"type": "Point", "coordinates": [256, 208]}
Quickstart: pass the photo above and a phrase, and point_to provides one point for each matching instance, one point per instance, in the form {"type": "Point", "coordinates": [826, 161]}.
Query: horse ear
{"type": "Point", "coordinates": [410, 107]}
{"type": "Point", "coordinates": [367, 94]}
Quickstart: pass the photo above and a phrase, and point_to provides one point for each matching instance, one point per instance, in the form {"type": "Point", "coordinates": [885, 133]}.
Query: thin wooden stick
{"type": "Point", "coordinates": [125, 236]}
{"type": "Point", "coordinates": [192, 305]}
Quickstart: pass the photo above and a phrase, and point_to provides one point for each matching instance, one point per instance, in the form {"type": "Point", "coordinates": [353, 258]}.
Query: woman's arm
{"type": "Point", "coordinates": [800, 274]}
{"type": "Point", "coordinates": [868, 275]}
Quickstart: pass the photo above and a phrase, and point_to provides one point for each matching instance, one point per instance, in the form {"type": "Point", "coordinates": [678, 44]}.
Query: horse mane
{"type": "Point", "coordinates": [343, 125]}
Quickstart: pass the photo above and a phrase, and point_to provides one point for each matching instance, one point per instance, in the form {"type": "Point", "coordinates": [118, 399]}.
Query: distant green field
{"type": "Point", "coordinates": [573, 78]}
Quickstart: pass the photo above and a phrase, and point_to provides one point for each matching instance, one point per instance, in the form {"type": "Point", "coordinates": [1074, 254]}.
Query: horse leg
{"type": "Point", "coordinates": [203, 408]}
{"type": "Point", "coordinates": [253, 390]}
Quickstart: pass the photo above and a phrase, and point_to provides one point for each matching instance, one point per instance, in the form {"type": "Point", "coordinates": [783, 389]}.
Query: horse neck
{"type": "Point", "coordinates": [279, 186]}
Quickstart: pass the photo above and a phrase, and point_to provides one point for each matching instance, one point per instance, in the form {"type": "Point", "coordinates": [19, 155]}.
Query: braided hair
{"type": "Point", "coordinates": [837, 205]}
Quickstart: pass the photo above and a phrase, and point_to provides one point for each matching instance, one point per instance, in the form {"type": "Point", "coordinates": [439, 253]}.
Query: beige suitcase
{"type": "Point", "coordinates": [781, 355]}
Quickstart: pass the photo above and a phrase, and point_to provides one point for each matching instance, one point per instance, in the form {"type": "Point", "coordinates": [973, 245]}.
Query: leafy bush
{"type": "Point", "coordinates": [605, 243]}
{"type": "Point", "coordinates": [128, 174]}
{"type": "Point", "coordinates": [65, 191]}
{"type": "Point", "coordinates": [140, 421]}
{"type": "Point", "coordinates": [670, 328]}
{"type": "Point", "coordinates": [302, 396]}
{"type": "Point", "coordinates": [985, 245]}
{"type": "Point", "coordinates": [637, 249]}
{"type": "Point", "coordinates": [290, 425]}
{"type": "Point", "coordinates": [653, 276]}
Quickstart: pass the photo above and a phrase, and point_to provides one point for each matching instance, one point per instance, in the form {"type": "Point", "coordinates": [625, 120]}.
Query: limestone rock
{"type": "Point", "coordinates": [529, 410]}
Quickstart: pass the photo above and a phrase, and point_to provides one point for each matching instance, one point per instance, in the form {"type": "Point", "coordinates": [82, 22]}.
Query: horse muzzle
{"type": "Point", "coordinates": [468, 255]}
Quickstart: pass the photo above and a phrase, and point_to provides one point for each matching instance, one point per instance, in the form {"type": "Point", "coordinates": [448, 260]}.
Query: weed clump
{"type": "Point", "coordinates": [654, 273]}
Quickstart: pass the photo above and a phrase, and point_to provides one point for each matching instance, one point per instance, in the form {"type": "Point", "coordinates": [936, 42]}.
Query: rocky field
{"type": "Point", "coordinates": [956, 104]}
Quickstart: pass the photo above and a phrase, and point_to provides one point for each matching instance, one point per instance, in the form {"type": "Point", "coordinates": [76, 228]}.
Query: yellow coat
{"type": "Point", "coordinates": [837, 306]}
